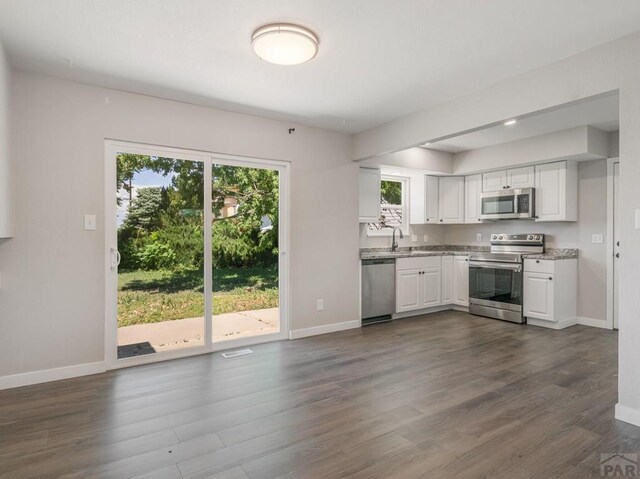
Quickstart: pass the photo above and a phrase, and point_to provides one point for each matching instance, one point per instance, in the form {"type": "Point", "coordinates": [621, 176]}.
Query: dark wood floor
{"type": "Point", "coordinates": [449, 395]}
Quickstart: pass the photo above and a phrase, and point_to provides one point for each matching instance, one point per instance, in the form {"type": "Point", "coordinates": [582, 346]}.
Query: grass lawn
{"type": "Point", "coordinates": [156, 296]}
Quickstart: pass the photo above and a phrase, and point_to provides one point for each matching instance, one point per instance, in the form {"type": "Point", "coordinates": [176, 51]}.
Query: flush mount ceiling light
{"type": "Point", "coordinates": [285, 44]}
{"type": "Point", "coordinates": [510, 122]}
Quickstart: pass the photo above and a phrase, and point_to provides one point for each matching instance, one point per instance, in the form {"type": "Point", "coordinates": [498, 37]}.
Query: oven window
{"type": "Point", "coordinates": [500, 285]}
{"type": "Point", "coordinates": [498, 205]}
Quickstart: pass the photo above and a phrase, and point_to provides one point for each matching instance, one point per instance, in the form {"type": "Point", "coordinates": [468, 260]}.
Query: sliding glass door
{"type": "Point", "coordinates": [196, 258]}
{"type": "Point", "coordinates": [245, 239]}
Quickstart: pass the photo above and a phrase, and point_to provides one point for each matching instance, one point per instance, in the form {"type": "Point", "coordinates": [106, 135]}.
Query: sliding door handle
{"type": "Point", "coordinates": [115, 258]}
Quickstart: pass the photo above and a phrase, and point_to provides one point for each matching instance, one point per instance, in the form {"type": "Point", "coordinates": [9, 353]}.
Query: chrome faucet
{"type": "Point", "coordinates": [394, 243]}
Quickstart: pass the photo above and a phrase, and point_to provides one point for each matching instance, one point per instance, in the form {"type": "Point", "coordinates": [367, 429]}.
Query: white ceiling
{"type": "Point", "coordinates": [601, 112]}
{"type": "Point", "coordinates": [379, 59]}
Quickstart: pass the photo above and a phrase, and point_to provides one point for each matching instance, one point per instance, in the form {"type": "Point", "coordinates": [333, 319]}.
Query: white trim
{"type": "Point", "coordinates": [610, 240]}
{"type": "Point", "coordinates": [324, 329]}
{"type": "Point", "coordinates": [562, 324]}
{"type": "Point", "coordinates": [627, 414]}
{"type": "Point", "coordinates": [593, 322]}
{"type": "Point", "coordinates": [47, 375]}
{"type": "Point", "coordinates": [112, 147]}
{"type": "Point", "coordinates": [419, 312]}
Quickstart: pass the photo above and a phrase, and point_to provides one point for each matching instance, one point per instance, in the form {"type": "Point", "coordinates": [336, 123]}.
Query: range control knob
{"type": "Point", "coordinates": [530, 237]}
{"type": "Point", "coordinates": [538, 237]}
{"type": "Point", "coordinates": [494, 237]}
{"type": "Point", "coordinates": [500, 237]}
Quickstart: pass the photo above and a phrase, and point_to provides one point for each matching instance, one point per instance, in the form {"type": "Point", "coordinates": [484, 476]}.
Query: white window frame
{"type": "Point", "coordinates": [112, 148]}
{"type": "Point", "coordinates": [404, 207]}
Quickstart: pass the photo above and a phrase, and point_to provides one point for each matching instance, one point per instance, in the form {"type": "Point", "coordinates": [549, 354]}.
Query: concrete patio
{"type": "Point", "coordinates": [184, 333]}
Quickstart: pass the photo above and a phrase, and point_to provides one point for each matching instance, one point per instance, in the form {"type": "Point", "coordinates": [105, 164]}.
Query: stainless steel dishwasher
{"type": "Point", "coordinates": [378, 290]}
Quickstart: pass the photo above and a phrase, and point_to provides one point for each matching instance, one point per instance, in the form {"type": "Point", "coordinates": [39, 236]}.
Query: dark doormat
{"type": "Point", "coordinates": [137, 349]}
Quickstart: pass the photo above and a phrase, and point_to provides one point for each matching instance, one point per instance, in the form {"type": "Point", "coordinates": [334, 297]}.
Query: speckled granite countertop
{"type": "Point", "coordinates": [457, 250]}
{"type": "Point", "coordinates": [553, 254]}
{"type": "Point", "coordinates": [412, 252]}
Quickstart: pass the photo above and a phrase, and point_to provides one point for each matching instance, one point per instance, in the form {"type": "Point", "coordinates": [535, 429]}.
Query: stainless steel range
{"type": "Point", "coordinates": [495, 278]}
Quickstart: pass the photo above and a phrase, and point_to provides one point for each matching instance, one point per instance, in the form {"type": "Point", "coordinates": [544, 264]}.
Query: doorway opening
{"type": "Point", "coordinates": [196, 252]}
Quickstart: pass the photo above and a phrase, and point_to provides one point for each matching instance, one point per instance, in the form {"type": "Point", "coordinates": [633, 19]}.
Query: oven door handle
{"type": "Point", "coordinates": [492, 265]}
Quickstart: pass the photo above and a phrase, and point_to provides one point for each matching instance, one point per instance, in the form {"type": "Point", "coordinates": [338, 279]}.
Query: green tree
{"type": "Point", "coordinates": [144, 210]}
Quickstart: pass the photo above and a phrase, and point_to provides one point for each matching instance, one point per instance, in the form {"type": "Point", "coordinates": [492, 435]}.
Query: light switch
{"type": "Point", "coordinates": [414, 238]}
{"type": "Point", "coordinates": [597, 239]}
{"type": "Point", "coordinates": [479, 237]}
{"type": "Point", "coordinates": [89, 222]}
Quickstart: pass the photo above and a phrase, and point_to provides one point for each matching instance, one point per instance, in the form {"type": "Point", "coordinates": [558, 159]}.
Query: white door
{"type": "Point", "coordinates": [494, 180]}
{"type": "Point", "coordinates": [551, 191]}
{"type": "Point", "coordinates": [616, 240]}
{"type": "Point", "coordinates": [431, 287]}
{"type": "Point", "coordinates": [447, 279]}
{"type": "Point", "coordinates": [472, 200]}
{"type": "Point", "coordinates": [451, 199]}
{"type": "Point", "coordinates": [461, 281]}
{"type": "Point", "coordinates": [369, 183]}
{"type": "Point", "coordinates": [408, 290]}
{"type": "Point", "coordinates": [431, 199]}
{"type": "Point", "coordinates": [538, 296]}
{"type": "Point", "coordinates": [521, 177]}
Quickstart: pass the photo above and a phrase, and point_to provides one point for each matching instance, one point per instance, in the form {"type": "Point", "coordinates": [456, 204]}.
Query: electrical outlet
{"type": "Point", "coordinates": [89, 222]}
{"type": "Point", "coordinates": [414, 238]}
{"type": "Point", "coordinates": [425, 238]}
{"type": "Point", "coordinates": [320, 305]}
{"type": "Point", "coordinates": [479, 237]}
{"type": "Point", "coordinates": [597, 239]}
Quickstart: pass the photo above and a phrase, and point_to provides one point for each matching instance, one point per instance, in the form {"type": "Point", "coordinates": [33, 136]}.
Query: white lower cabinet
{"type": "Point", "coordinates": [447, 279]}
{"type": "Point", "coordinates": [408, 290]}
{"type": "Point", "coordinates": [418, 283]}
{"type": "Point", "coordinates": [460, 280]}
{"type": "Point", "coordinates": [539, 289]}
{"type": "Point", "coordinates": [550, 292]}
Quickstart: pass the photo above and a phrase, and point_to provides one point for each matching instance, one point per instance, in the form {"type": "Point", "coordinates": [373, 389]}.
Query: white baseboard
{"type": "Point", "coordinates": [627, 414]}
{"type": "Point", "coordinates": [324, 329]}
{"type": "Point", "coordinates": [565, 323]}
{"type": "Point", "coordinates": [47, 375]}
{"type": "Point", "coordinates": [594, 323]}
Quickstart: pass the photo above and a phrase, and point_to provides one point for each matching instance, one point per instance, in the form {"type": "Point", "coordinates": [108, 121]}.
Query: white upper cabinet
{"type": "Point", "coordinates": [521, 177]}
{"type": "Point", "coordinates": [514, 178]}
{"type": "Point", "coordinates": [494, 180]}
{"type": "Point", "coordinates": [472, 200]}
{"type": "Point", "coordinates": [451, 199]}
{"type": "Point", "coordinates": [423, 199]}
{"type": "Point", "coordinates": [557, 191]}
{"type": "Point", "coordinates": [369, 184]}
{"type": "Point", "coordinates": [431, 197]}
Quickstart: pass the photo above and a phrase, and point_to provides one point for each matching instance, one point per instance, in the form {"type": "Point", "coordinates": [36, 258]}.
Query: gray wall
{"type": "Point", "coordinates": [6, 210]}
{"type": "Point", "coordinates": [52, 302]}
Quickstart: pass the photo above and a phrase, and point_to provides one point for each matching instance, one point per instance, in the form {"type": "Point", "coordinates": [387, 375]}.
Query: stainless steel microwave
{"type": "Point", "coordinates": [508, 204]}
